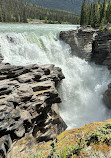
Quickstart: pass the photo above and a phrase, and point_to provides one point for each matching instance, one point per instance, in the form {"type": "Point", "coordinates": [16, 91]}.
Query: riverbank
{"type": "Point", "coordinates": [46, 22]}
{"type": "Point", "coordinates": [37, 21]}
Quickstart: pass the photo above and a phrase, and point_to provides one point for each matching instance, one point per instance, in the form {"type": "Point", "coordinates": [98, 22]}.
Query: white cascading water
{"type": "Point", "coordinates": [84, 83]}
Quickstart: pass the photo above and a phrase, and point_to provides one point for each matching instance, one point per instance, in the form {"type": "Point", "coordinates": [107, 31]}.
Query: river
{"type": "Point", "coordinates": [81, 90]}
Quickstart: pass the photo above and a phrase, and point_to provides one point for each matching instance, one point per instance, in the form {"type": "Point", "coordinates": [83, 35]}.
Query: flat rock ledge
{"type": "Point", "coordinates": [29, 103]}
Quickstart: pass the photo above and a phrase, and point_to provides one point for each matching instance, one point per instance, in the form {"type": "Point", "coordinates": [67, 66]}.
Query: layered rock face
{"type": "Point", "coordinates": [92, 45]}
{"type": "Point", "coordinates": [29, 103]}
{"type": "Point", "coordinates": [80, 41]}
{"type": "Point", "coordinates": [101, 49]}
{"type": "Point", "coordinates": [101, 54]}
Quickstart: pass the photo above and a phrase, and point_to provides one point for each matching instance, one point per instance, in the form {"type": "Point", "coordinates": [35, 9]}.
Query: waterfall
{"type": "Point", "coordinates": [84, 83]}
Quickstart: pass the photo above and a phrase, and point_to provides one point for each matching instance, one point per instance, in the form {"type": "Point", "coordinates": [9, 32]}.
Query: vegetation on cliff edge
{"type": "Point", "coordinates": [95, 143]}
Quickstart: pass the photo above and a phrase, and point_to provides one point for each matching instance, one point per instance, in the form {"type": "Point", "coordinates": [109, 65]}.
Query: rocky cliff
{"type": "Point", "coordinates": [92, 45]}
{"type": "Point", "coordinates": [29, 103]}
{"type": "Point", "coordinates": [101, 49]}
{"type": "Point", "coordinates": [101, 54]}
{"type": "Point", "coordinates": [80, 41]}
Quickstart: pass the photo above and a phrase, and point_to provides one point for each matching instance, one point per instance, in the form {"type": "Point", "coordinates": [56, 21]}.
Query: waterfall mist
{"type": "Point", "coordinates": [81, 90]}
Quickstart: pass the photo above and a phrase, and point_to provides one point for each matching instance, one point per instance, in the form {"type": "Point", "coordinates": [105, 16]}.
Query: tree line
{"type": "Point", "coordinates": [95, 13]}
{"type": "Point", "coordinates": [19, 11]}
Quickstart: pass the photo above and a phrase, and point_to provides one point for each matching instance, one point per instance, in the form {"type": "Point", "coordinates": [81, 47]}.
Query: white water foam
{"type": "Point", "coordinates": [84, 83]}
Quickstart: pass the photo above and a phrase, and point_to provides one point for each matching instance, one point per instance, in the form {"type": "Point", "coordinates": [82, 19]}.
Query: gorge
{"type": "Point", "coordinates": [81, 90]}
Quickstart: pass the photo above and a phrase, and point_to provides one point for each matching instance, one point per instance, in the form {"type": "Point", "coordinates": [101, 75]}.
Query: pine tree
{"type": "Point", "coordinates": [84, 13]}
{"type": "Point", "coordinates": [108, 12]}
{"type": "Point", "coordinates": [46, 19]}
{"type": "Point", "coordinates": [1, 18]}
{"type": "Point", "coordinates": [91, 11]}
{"type": "Point", "coordinates": [98, 13]}
{"type": "Point", "coordinates": [96, 16]}
{"type": "Point", "coordinates": [24, 16]}
{"type": "Point", "coordinates": [103, 19]}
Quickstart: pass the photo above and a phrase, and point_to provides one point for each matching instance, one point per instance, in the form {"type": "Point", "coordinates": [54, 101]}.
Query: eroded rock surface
{"type": "Point", "coordinates": [101, 55]}
{"type": "Point", "coordinates": [29, 103]}
{"type": "Point", "coordinates": [80, 41]}
{"type": "Point", "coordinates": [101, 49]}
{"type": "Point", "coordinates": [91, 141]}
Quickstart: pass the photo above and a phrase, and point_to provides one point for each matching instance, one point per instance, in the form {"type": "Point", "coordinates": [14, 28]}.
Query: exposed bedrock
{"type": "Point", "coordinates": [80, 41]}
{"type": "Point", "coordinates": [107, 96]}
{"type": "Point", "coordinates": [92, 45]}
{"type": "Point", "coordinates": [91, 141]}
{"type": "Point", "coordinates": [101, 54]}
{"type": "Point", "coordinates": [29, 103]}
{"type": "Point", "coordinates": [101, 49]}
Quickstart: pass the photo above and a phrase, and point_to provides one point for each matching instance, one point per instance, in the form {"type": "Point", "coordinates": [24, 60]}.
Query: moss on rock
{"type": "Point", "coordinates": [93, 140]}
{"type": "Point", "coordinates": [102, 134]}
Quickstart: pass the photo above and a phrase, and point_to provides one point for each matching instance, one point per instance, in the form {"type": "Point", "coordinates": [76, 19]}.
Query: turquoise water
{"type": "Point", "coordinates": [37, 28]}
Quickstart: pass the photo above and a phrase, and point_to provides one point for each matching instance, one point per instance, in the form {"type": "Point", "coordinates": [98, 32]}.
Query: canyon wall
{"type": "Point", "coordinates": [91, 45]}
{"type": "Point", "coordinates": [80, 41]}
{"type": "Point", "coordinates": [101, 55]}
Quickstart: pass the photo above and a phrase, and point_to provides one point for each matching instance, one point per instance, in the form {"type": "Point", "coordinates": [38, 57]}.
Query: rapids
{"type": "Point", "coordinates": [81, 90]}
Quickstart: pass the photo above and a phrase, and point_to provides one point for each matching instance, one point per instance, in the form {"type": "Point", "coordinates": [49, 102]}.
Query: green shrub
{"type": "Point", "coordinates": [38, 155]}
{"type": "Point", "coordinates": [103, 134]}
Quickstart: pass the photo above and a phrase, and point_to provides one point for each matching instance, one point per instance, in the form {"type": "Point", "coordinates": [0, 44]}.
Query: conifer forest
{"type": "Point", "coordinates": [19, 11]}
{"type": "Point", "coordinates": [95, 13]}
